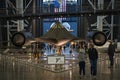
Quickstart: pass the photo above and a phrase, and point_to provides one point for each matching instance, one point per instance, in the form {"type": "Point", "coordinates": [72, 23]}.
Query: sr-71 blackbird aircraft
{"type": "Point", "coordinates": [57, 35]}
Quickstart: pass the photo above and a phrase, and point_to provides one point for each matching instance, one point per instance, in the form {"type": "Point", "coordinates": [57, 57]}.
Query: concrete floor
{"type": "Point", "coordinates": [17, 67]}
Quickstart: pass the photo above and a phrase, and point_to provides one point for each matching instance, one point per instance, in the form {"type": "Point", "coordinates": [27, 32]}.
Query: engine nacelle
{"type": "Point", "coordinates": [18, 39]}
{"type": "Point", "coordinates": [98, 38]}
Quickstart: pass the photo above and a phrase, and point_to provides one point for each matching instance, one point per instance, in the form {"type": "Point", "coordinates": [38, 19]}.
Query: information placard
{"type": "Point", "coordinates": [56, 59]}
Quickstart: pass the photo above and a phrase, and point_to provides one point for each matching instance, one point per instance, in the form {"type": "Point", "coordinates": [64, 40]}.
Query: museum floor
{"type": "Point", "coordinates": [19, 67]}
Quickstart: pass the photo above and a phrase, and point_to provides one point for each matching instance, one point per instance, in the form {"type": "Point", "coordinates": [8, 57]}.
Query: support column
{"type": "Point", "coordinates": [19, 6]}
{"type": "Point", "coordinates": [0, 35]}
{"type": "Point", "coordinates": [118, 29]}
{"type": "Point", "coordinates": [79, 21]}
{"type": "Point", "coordinates": [34, 21]}
{"type": "Point", "coordinates": [112, 21]}
{"type": "Point", "coordinates": [39, 20]}
{"type": "Point", "coordinates": [100, 18]}
{"type": "Point", "coordinates": [8, 27]}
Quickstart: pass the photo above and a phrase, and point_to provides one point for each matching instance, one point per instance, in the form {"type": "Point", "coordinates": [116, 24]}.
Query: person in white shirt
{"type": "Point", "coordinates": [81, 57]}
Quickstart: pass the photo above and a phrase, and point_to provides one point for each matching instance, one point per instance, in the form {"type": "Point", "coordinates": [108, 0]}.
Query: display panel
{"type": "Point", "coordinates": [56, 59]}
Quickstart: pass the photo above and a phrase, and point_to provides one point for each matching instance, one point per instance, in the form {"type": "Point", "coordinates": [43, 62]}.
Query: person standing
{"type": "Point", "coordinates": [93, 57]}
{"type": "Point", "coordinates": [115, 44]}
{"type": "Point", "coordinates": [111, 51]}
{"type": "Point", "coordinates": [81, 60]}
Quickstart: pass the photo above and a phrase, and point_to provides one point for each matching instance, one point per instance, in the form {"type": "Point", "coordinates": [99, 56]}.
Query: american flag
{"type": "Point", "coordinates": [61, 8]}
{"type": "Point", "coordinates": [63, 5]}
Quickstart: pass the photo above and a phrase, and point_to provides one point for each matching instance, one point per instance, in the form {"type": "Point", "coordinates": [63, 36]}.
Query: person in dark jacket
{"type": "Point", "coordinates": [111, 51]}
{"type": "Point", "coordinates": [93, 56]}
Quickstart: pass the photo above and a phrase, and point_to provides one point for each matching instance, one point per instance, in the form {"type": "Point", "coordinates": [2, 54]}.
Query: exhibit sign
{"type": "Point", "coordinates": [56, 59]}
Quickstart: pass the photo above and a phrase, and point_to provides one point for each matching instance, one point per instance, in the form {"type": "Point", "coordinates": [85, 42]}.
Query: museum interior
{"type": "Point", "coordinates": [45, 39]}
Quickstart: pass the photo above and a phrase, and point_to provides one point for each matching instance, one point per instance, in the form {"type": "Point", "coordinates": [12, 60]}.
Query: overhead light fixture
{"type": "Point", "coordinates": [89, 14]}
{"type": "Point", "coordinates": [28, 17]}
{"type": "Point", "coordinates": [81, 14]}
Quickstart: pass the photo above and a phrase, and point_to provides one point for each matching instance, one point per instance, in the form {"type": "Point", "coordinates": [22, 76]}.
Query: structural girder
{"type": "Point", "coordinates": [60, 14]}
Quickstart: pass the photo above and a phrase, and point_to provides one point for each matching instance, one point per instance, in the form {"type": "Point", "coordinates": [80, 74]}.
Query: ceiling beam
{"type": "Point", "coordinates": [59, 14]}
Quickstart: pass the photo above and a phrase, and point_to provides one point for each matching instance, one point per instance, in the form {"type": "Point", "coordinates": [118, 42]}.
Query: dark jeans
{"type": "Point", "coordinates": [82, 67]}
{"type": "Point", "coordinates": [93, 67]}
{"type": "Point", "coordinates": [111, 60]}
